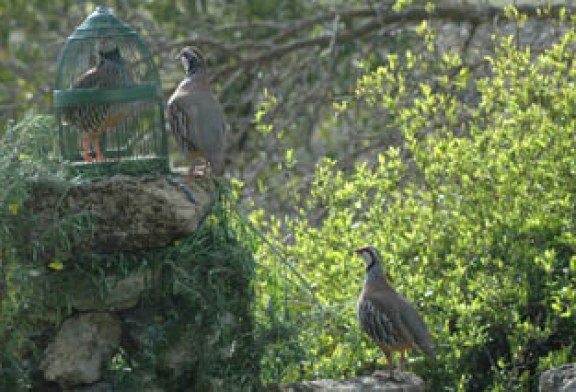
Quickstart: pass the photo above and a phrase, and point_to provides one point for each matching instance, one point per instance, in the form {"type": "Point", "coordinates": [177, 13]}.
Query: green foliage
{"type": "Point", "coordinates": [203, 302]}
{"type": "Point", "coordinates": [26, 151]}
{"type": "Point", "coordinates": [474, 216]}
{"type": "Point", "coordinates": [200, 295]}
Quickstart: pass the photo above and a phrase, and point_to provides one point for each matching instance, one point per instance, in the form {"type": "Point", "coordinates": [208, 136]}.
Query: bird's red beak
{"type": "Point", "coordinates": [360, 250]}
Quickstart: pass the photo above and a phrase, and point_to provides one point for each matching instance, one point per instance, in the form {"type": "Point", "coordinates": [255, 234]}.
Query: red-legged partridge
{"type": "Point", "coordinates": [92, 120]}
{"type": "Point", "coordinates": [196, 117]}
{"type": "Point", "coordinates": [387, 317]}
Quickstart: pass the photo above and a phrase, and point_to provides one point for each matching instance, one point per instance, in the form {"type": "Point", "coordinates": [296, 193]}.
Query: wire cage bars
{"type": "Point", "coordinates": [108, 100]}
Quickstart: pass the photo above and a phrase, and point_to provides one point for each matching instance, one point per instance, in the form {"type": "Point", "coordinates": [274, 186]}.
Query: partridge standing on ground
{"type": "Point", "coordinates": [196, 117]}
{"type": "Point", "coordinates": [94, 119]}
{"type": "Point", "coordinates": [387, 317]}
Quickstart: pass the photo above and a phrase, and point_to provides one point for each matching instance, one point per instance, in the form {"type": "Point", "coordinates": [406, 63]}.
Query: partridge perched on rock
{"type": "Point", "coordinates": [94, 119]}
{"type": "Point", "coordinates": [387, 317]}
{"type": "Point", "coordinates": [196, 117]}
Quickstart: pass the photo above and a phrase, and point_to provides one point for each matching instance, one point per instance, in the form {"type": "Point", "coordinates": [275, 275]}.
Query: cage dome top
{"type": "Point", "coordinates": [102, 22]}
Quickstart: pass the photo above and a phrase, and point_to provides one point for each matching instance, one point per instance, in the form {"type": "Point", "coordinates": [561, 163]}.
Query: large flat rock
{"type": "Point", "coordinates": [409, 383]}
{"type": "Point", "coordinates": [124, 213]}
{"type": "Point", "coordinates": [561, 379]}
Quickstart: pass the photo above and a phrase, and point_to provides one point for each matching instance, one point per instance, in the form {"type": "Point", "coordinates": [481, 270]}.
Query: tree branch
{"type": "Point", "coordinates": [374, 19]}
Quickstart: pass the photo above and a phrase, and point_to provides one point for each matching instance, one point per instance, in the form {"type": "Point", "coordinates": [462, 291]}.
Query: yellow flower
{"type": "Point", "coordinates": [56, 265]}
{"type": "Point", "coordinates": [23, 157]}
{"type": "Point", "coordinates": [13, 208]}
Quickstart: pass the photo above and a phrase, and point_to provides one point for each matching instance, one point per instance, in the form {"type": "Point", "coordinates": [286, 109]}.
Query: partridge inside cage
{"type": "Point", "coordinates": [108, 99]}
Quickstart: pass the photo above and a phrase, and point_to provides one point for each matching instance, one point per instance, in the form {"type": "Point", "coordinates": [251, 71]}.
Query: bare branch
{"type": "Point", "coordinates": [372, 18]}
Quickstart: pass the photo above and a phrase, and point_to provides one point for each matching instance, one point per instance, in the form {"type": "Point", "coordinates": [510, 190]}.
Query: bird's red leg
{"type": "Point", "coordinates": [111, 121]}
{"type": "Point", "coordinates": [386, 375]}
{"type": "Point", "coordinates": [390, 364]}
{"type": "Point", "coordinates": [86, 147]}
{"type": "Point", "coordinates": [96, 143]}
{"type": "Point", "coordinates": [400, 376]}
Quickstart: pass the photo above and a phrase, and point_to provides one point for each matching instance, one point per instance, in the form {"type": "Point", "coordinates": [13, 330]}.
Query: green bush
{"type": "Point", "coordinates": [26, 151]}
{"type": "Point", "coordinates": [201, 299]}
{"type": "Point", "coordinates": [474, 216]}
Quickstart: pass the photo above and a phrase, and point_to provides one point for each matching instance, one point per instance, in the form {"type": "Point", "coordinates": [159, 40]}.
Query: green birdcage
{"type": "Point", "coordinates": [108, 100]}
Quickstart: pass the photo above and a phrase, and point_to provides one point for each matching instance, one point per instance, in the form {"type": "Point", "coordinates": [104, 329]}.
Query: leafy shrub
{"type": "Point", "coordinates": [474, 216]}
{"type": "Point", "coordinates": [26, 150]}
